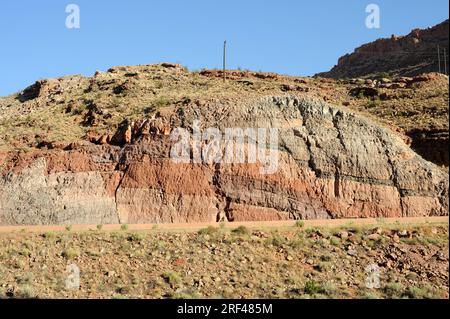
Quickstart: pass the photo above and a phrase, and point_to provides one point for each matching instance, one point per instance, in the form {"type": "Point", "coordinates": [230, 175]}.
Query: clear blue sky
{"type": "Point", "coordinates": [298, 37]}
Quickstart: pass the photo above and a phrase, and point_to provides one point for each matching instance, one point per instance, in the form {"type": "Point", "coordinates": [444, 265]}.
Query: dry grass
{"type": "Point", "coordinates": [144, 90]}
{"type": "Point", "coordinates": [290, 263]}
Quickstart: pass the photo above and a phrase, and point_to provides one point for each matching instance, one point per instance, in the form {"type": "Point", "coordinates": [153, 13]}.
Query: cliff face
{"type": "Point", "coordinates": [331, 164]}
{"type": "Point", "coordinates": [409, 55]}
{"type": "Point", "coordinates": [98, 149]}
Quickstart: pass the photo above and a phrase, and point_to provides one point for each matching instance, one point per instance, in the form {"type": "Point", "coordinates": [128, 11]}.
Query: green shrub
{"type": "Point", "coordinates": [26, 278]}
{"type": "Point", "coordinates": [415, 293]}
{"type": "Point", "coordinates": [241, 230]}
{"type": "Point", "coordinates": [161, 102]}
{"type": "Point", "coordinates": [70, 253]}
{"type": "Point", "coordinates": [26, 292]}
{"type": "Point", "coordinates": [334, 241]}
{"type": "Point", "coordinates": [171, 277]}
{"type": "Point", "coordinates": [393, 289]}
{"type": "Point", "coordinates": [210, 230]}
{"type": "Point", "coordinates": [276, 240]}
{"type": "Point", "coordinates": [312, 287]}
{"type": "Point", "coordinates": [48, 235]}
{"type": "Point", "coordinates": [299, 223]}
{"type": "Point", "coordinates": [136, 236]}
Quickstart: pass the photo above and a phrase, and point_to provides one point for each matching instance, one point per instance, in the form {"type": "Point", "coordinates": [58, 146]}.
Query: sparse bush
{"type": "Point", "coordinates": [311, 230]}
{"type": "Point", "coordinates": [161, 102]}
{"type": "Point", "coordinates": [185, 295]}
{"type": "Point", "coordinates": [25, 292]}
{"type": "Point", "coordinates": [322, 266]}
{"type": "Point", "coordinates": [70, 253]}
{"type": "Point", "coordinates": [329, 288]}
{"type": "Point", "coordinates": [48, 235]}
{"type": "Point", "coordinates": [210, 230]}
{"type": "Point", "coordinates": [124, 227]}
{"type": "Point", "coordinates": [393, 289]}
{"type": "Point", "coordinates": [117, 235]}
{"type": "Point", "coordinates": [296, 243]}
{"type": "Point", "coordinates": [372, 104]}
{"type": "Point", "coordinates": [69, 227]}
{"type": "Point", "coordinates": [171, 277]}
{"type": "Point", "coordinates": [276, 240]}
{"type": "Point", "coordinates": [299, 223]}
{"type": "Point", "coordinates": [415, 293]}
{"type": "Point", "coordinates": [370, 295]}
{"type": "Point", "coordinates": [312, 287]}
{"type": "Point", "coordinates": [136, 236]}
{"type": "Point", "coordinates": [241, 230]}
{"type": "Point", "coordinates": [24, 251]}
{"type": "Point", "coordinates": [25, 278]}
{"type": "Point", "coordinates": [99, 227]}
{"type": "Point", "coordinates": [334, 241]}
{"type": "Point", "coordinates": [122, 290]}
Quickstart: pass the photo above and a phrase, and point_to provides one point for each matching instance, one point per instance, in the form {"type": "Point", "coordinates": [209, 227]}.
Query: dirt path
{"type": "Point", "coordinates": [193, 227]}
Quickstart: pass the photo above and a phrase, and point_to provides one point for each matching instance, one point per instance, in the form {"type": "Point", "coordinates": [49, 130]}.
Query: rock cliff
{"type": "Point", "coordinates": [409, 55]}
{"type": "Point", "coordinates": [331, 164]}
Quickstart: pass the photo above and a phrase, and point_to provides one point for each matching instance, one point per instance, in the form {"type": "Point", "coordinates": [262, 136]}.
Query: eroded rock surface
{"type": "Point", "coordinates": [331, 164]}
{"type": "Point", "coordinates": [409, 55]}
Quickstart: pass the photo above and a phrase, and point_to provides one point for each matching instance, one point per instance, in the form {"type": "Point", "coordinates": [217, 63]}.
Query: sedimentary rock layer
{"type": "Point", "coordinates": [330, 164]}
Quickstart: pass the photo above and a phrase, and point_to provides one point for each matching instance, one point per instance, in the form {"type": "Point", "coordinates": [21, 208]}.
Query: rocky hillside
{"type": "Point", "coordinates": [292, 262]}
{"type": "Point", "coordinates": [97, 150]}
{"type": "Point", "coordinates": [409, 55]}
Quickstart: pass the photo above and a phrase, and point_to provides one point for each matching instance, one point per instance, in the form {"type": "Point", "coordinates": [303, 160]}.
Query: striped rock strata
{"type": "Point", "coordinates": [330, 164]}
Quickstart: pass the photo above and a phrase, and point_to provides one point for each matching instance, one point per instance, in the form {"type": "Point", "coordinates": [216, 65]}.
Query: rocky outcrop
{"type": "Point", "coordinates": [39, 89]}
{"type": "Point", "coordinates": [409, 55]}
{"type": "Point", "coordinates": [433, 145]}
{"type": "Point", "coordinates": [331, 164]}
{"type": "Point", "coordinates": [429, 141]}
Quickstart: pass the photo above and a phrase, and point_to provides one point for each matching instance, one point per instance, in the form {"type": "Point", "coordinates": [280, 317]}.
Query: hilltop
{"type": "Point", "coordinates": [74, 108]}
{"type": "Point", "coordinates": [409, 55]}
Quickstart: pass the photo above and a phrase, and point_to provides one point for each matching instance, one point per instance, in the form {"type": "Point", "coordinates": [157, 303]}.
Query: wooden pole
{"type": "Point", "coordinates": [439, 58]}
{"type": "Point", "coordinates": [445, 61]}
{"type": "Point", "coordinates": [224, 58]}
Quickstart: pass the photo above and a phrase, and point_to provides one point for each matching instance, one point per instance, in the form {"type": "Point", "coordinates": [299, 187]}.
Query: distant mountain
{"type": "Point", "coordinates": [408, 55]}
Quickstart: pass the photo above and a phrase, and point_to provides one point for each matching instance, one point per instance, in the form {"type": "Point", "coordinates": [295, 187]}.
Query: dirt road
{"type": "Point", "coordinates": [193, 227]}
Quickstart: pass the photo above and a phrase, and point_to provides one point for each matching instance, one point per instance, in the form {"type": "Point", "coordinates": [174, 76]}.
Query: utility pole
{"type": "Point", "coordinates": [224, 58]}
{"type": "Point", "coordinates": [445, 61]}
{"type": "Point", "coordinates": [439, 58]}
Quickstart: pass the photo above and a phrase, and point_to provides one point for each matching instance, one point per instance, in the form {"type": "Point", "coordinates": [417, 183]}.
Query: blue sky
{"type": "Point", "coordinates": [297, 37]}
